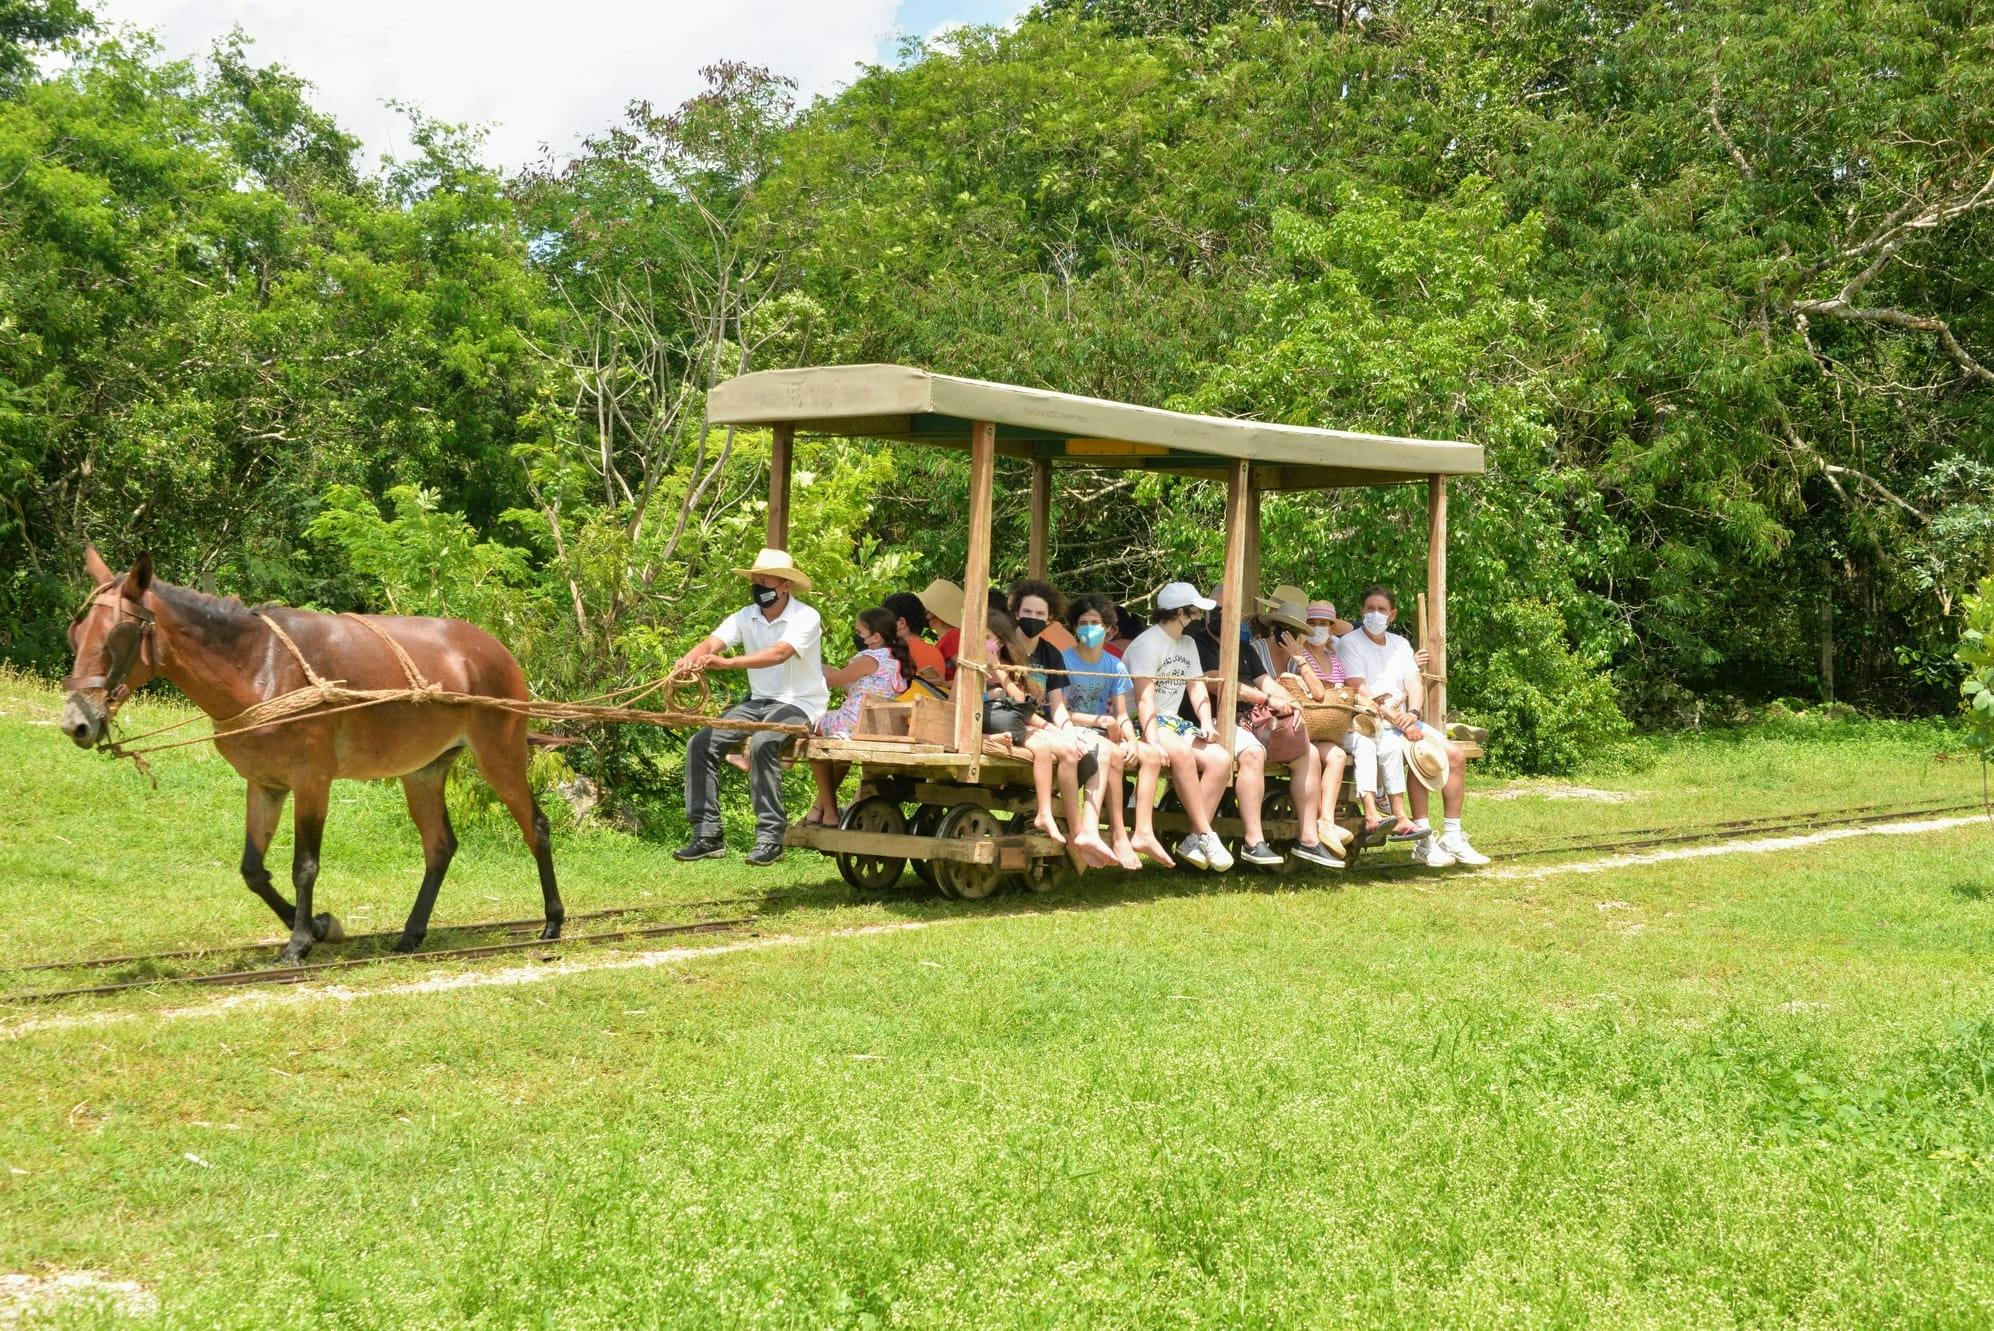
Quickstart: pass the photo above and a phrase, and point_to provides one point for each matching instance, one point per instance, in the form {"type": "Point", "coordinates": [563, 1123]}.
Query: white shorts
{"type": "Point", "coordinates": [1243, 741]}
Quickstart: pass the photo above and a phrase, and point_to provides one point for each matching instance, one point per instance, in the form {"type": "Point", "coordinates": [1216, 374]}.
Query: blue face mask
{"type": "Point", "coordinates": [1091, 636]}
{"type": "Point", "coordinates": [1245, 633]}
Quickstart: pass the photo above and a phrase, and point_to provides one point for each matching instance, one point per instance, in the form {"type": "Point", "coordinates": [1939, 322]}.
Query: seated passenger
{"type": "Point", "coordinates": [880, 668]}
{"type": "Point", "coordinates": [910, 620]}
{"type": "Point", "coordinates": [1282, 735]}
{"type": "Point", "coordinates": [1097, 705]}
{"type": "Point", "coordinates": [1378, 665]}
{"type": "Point", "coordinates": [1033, 605]}
{"type": "Point", "coordinates": [1123, 628]}
{"type": "Point", "coordinates": [1451, 846]}
{"type": "Point", "coordinates": [942, 600]}
{"type": "Point", "coordinates": [1248, 769]}
{"type": "Point", "coordinates": [1163, 663]}
{"type": "Point", "coordinates": [1315, 663]}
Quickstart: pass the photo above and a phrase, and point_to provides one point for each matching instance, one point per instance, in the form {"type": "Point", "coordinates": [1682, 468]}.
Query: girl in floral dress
{"type": "Point", "coordinates": [882, 666]}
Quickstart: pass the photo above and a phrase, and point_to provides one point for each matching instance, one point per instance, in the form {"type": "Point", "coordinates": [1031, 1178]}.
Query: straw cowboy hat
{"type": "Point", "coordinates": [943, 599]}
{"type": "Point", "coordinates": [1426, 759]}
{"type": "Point", "coordinates": [1288, 614]}
{"type": "Point", "coordinates": [1287, 591]}
{"type": "Point", "coordinates": [773, 563]}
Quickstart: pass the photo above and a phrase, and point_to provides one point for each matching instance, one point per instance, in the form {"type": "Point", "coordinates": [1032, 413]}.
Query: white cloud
{"type": "Point", "coordinates": [532, 72]}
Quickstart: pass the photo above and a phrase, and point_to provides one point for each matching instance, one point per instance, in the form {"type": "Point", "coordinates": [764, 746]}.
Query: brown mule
{"type": "Point", "coordinates": [225, 658]}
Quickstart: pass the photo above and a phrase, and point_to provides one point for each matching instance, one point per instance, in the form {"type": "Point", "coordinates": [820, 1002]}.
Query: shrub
{"type": "Point", "coordinates": [1547, 710]}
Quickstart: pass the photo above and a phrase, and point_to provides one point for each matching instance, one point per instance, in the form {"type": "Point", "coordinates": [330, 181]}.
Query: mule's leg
{"type": "Point", "coordinates": [498, 742]}
{"type": "Point", "coordinates": [308, 826]}
{"type": "Point", "coordinates": [424, 789]}
{"type": "Point", "coordinates": [265, 805]}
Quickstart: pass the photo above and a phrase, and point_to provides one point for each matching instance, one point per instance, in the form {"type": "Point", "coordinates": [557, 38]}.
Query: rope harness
{"type": "Point", "coordinates": [321, 697]}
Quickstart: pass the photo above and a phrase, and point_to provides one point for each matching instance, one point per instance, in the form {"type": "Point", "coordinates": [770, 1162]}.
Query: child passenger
{"type": "Point", "coordinates": [881, 666]}
{"type": "Point", "coordinates": [1098, 691]}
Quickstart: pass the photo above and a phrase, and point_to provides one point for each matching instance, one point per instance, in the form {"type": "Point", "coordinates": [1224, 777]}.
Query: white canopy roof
{"type": "Point", "coordinates": [901, 402]}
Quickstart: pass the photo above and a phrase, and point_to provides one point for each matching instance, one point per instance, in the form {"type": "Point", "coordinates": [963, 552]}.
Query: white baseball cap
{"type": "Point", "coordinates": [1177, 595]}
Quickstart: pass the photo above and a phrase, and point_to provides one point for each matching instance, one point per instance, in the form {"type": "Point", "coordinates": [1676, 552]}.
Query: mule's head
{"type": "Point", "coordinates": [112, 638]}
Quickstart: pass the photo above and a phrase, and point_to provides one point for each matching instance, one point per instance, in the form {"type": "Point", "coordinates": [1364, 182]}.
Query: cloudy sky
{"type": "Point", "coordinates": [536, 73]}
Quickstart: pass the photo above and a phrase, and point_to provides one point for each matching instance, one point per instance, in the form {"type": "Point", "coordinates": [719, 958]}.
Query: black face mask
{"type": "Point", "coordinates": [859, 643]}
{"type": "Point", "coordinates": [1030, 626]}
{"type": "Point", "coordinates": [766, 596]}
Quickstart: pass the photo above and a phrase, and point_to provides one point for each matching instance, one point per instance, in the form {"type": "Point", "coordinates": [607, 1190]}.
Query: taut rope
{"type": "Point", "coordinates": [321, 697]}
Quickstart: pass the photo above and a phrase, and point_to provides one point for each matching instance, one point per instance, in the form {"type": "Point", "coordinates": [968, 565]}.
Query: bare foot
{"type": "Point", "coordinates": [1089, 843]}
{"type": "Point", "coordinates": [1125, 853]}
{"type": "Point", "coordinates": [1049, 825]}
{"type": "Point", "coordinates": [739, 760]}
{"type": "Point", "coordinates": [1403, 827]}
{"type": "Point", "coordinates": [1150, 846]}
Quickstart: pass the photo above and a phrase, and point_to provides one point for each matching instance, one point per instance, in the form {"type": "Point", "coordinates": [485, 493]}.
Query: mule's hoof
{"type": "Point", "coordinates": [408, 943]}
{"type": "Point", "coordinates": [326, 928]}
{"type": "Point", "coordinates": [293, 954]}
{"type": "Point", "coordinates": [551, 932]}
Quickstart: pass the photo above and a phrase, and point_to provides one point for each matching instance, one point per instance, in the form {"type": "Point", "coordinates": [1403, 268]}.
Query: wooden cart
{"type": "Point", "coordinates": [941, 796]}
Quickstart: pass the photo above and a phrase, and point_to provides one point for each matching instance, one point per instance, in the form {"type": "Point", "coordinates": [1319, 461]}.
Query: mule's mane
{"type": "Point", "coordinates": [216, 620]}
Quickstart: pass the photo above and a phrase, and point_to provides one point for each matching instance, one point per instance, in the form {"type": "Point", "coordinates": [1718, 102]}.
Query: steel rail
{"type": "Point", "coordinates": [296, 974]}
{"type": "Point", "coordinates": [224, 949]}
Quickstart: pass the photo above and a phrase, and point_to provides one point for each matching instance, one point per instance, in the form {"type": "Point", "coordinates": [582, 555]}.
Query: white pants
{"type": "Point", "coordinates": [1384, 750]}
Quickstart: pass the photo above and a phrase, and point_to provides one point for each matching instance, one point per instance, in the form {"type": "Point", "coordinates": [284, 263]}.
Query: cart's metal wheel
{"type": "Point", "coordinates": [924, 822]}
{"type": "Point", "coordinates": [971, 882]}
{"type": "Point", "coordinates": [872, 873]}
{"type": "Point", "coordinates": [1048, 873]}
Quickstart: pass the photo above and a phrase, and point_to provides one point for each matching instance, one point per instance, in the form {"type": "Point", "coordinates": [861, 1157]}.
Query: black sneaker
{"type": "Point", "coordinates": [1317, 855]}
{"type": "Point", "coordinates": [765, 853]}
{"type": "Point", "coordinates": [1262, 854]}
{"type": "Point", "coordinates": [702, 848]}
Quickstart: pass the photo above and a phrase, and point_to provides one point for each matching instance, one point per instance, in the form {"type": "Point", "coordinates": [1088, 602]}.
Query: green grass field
{"type": "Point", "coordinates": [1742, 1089]}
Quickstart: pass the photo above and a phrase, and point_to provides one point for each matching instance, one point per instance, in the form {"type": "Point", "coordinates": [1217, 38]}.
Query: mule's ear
{"type": "Point", "coordinates": [139, 578]}
{"type": "Point", "coordinates": [93, 564]}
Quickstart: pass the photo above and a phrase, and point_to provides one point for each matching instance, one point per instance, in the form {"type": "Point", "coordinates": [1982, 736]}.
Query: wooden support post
{"type": "Point", "coordinates": [1436, 599]}
{"type": "Point", "coordinates": [1234, 578]}
{"type": "Point", "coordinates": [1250, 583]}
{"type": "Point", "coordinates": [781, 446]}
{"type": "Point", "coordinates": [1039, 557]}
{"type": "Point", "coordinates": [969, 683]}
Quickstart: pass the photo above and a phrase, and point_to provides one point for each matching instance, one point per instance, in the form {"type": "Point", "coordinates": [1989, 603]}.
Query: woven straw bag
{"type": "Point", "coordinates": [1329, 720]}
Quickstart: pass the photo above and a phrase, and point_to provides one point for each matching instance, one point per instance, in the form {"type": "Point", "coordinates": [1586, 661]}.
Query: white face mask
{"type": "Point", "coordinates": [1319, 634]}
{"type": "Point", "coordinates": [1376, 621]}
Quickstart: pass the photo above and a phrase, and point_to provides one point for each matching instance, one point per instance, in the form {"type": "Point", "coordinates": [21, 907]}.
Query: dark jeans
{"type": "Point", "coordinates": [707, 750]}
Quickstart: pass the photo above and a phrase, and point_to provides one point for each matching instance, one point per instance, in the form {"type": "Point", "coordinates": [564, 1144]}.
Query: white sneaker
{"type": "Point", "coordinates": [1429, 853]}
{"type": "Point", "coordinates": [1217, 857]}
{"type": "Point", "coordinates": [1191, 850]}
{"type": "Point", "coordinates": [1456, 844]}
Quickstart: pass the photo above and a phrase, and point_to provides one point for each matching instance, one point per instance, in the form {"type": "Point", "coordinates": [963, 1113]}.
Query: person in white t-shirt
{"type": "Point", "coordinates": [1379, 665]}
{"type": "Point", "coordinates": [1402, 698]}
{"type": "Point", "coordinates": [1164, 666]}
{"type": "Point", "coordinates": [780, 641]}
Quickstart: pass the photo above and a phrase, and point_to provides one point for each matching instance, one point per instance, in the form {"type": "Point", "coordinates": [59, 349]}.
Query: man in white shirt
{"type": "Point", "coordinates": [1385, 666]}
{"type": "Point", "coordinates": [780, 641]}
{"type": "Point", "coordinates": [1379, 665]}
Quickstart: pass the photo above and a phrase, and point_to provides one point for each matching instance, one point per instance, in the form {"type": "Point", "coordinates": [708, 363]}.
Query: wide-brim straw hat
{"type": "Point", "coordinates": [1426, 759]}
{"type": "Point", "coordinates": [943, 599]}
{"type": "Point", "coordinates": [1287, 591]}
{"type": "Point", "coordinates": [773, 563]}
{"type": "Point", "coordinates": [1288, 614]}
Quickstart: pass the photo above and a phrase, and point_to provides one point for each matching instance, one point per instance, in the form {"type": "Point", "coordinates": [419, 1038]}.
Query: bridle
{"type": "Point", "coordinates": [129, 641]}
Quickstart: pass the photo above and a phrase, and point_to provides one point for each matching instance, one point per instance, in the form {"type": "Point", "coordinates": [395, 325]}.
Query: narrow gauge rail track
{"type": "Point", "coordinates": [311, 970]}
{"type": "Point", "coordinates": [478, 926]}
{"type": "Point", "coordinates": [1631, 839]}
